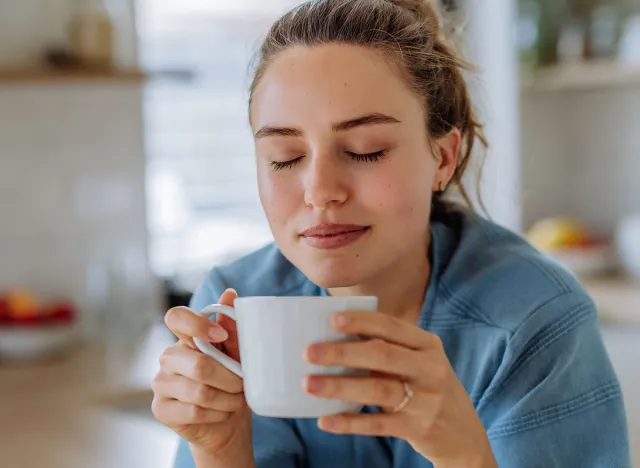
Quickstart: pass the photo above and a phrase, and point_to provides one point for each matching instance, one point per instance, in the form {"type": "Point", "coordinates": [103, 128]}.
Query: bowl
{"type": "Point", "coordinates": [587, 261]}
{"type": "Point", "coordinates": [20, 342]}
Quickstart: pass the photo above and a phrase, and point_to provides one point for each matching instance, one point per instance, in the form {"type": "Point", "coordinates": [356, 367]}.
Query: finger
{"type": "Point", "coordinates": [231, 346]}
{"type": "Point", "coordinates": [176, 413]}
{"type": "Point", "coordinates": [199, 394]}
{"type": "Point", "coordinates": [228, 297]}
{"type": "Point", "coordinates": [384, 327]}
{"type": "Point", "coordinates": [381, 425]}
{"type": "Point", "coordinates": [382, 392]}
{"type": "Point", "coordinates": [375, 355]}
{"type": "Point", "coordinates": [186, 324]}
{"type": "Point", "coordinates": [200, 368]}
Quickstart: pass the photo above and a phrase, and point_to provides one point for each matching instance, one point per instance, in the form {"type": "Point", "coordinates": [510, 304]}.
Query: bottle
{"type": "Point", "coordinates": [91, 35]}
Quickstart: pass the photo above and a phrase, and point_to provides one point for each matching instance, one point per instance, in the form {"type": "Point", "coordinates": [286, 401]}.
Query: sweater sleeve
{"type": "Point", "coordinates": [276, 443]}
{"type": "Point", "coordinates": [557, 402]}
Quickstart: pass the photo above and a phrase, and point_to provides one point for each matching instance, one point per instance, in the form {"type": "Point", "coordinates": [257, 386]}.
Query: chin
{"type": "Point", "coordinates": [332, 273]}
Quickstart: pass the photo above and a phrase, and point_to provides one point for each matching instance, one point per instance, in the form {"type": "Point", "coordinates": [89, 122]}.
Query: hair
{"type": "Point", "coordinates": [411, 36]}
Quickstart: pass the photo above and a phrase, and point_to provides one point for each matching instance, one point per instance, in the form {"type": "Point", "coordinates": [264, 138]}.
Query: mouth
{"type": "Point", "coordinates": [333, 236]}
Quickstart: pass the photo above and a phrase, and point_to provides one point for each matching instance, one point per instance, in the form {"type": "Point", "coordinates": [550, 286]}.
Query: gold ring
{"type": "Point", "coordinates": [408, 395]}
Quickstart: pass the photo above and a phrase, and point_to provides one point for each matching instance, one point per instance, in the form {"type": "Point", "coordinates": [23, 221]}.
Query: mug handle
{"type": "Point", "coordinates": [210, 350]}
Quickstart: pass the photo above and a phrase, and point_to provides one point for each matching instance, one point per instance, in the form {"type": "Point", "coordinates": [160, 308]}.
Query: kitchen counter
{"type": "Point", "coordinates": [617, 298]}
{"type": "Point", "coordinates": [54, 414]}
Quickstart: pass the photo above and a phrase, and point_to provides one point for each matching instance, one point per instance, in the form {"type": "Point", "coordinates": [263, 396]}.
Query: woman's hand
{"type": "Point", "coordinates": [195, 395]}
{"type": "Point", "coordinates": [438, 420]}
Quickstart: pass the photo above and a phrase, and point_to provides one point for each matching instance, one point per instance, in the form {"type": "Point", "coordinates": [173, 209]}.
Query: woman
{"type": "Point", "coordinates": [484, 353]}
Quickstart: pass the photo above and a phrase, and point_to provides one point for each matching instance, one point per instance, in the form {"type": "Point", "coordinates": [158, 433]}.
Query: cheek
{"type": "Point", "coordinates": [403, 196]}
{"type": "Point", "coordinates": [278, 196]}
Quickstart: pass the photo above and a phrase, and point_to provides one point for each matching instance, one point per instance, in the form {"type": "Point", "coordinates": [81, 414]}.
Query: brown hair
{"type": "Point", "coordinates": [410, 34]}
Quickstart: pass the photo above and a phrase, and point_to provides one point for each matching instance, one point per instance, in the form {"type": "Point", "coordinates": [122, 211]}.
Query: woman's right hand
{"type": "Point", "coordinates": [195, 395]}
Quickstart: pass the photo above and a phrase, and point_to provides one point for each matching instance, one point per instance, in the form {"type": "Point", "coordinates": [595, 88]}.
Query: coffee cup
{"type": "Point", "coordinates": [273, 333]}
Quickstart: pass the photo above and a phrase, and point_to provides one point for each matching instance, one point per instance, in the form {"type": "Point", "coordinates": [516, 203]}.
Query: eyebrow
{"type": "Point", "coordinates": [369, 119]}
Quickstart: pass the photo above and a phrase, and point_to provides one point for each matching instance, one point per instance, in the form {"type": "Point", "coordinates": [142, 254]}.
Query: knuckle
{"type": "Point", "coordinates": [156, 409]}
{"type": "Point", "coordinates": [239, 403]}
{"type": "Point", "coordinates": [439, 375]}
{"type": "Point", "coordinates": [436, 342]}
{"type": "Point", "coordinates": [337, 352]}
{"type": "Point", "coordinates": [237, 385]}
{"type": "Point", "coordinates": [196, 413]}
{"type": "Point", "coordinates": [395, 327]}
{"type": "Point", "coordinates": [203, 394]}
{"type": "Point", "coordinates": [222, 417]}
{"type": "Point", "coordinates": [156, 384]}
{"type": "Point", "coordinates": [376, 426]}
{"type": "Point", "coordinates": [425, 431]}
{"type": "Point", "coordinates": [202, 368]}
{"type": "Point", "coordinates": [333, 387]}
{"type": "Point", "coordinates": [165, 356]}
{"type": "Point", "coordinates": [380, 350]}
{"type": "Point", "coordinates": [382, 392]}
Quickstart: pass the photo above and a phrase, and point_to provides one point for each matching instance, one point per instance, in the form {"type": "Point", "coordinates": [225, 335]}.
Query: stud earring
{"type": "Point", "coordinates": [442, 186]}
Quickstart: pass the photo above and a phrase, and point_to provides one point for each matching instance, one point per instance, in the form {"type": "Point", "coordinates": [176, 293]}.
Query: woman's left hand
{"type": "Point", "coordinates": [438, 420]}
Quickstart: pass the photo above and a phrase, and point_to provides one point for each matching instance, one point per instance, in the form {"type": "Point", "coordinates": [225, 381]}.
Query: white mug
{"type": "Point", "coordinates": [273, 333]}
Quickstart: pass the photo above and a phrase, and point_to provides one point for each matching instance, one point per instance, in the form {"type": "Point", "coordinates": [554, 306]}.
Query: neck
{"type": "Point", "coordinates": [400, 288]}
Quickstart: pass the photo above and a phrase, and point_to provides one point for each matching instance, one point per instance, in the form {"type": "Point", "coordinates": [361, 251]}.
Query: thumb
{"type": "Point", "coordinates": [231, 345]}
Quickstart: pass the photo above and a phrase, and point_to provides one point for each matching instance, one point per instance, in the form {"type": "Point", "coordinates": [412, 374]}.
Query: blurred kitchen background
{"type": "Point", "coordinates": [126, 172]}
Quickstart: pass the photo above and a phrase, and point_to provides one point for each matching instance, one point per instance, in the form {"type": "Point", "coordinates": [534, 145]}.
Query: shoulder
{"type": "Point", "coordinates": [495, 276]}
{"type": "Point", "coordinates": [264, 272]}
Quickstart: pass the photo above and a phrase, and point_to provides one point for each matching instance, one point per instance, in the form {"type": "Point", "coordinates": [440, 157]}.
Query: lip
{"type": "Point", "coordinates": [333, 236]}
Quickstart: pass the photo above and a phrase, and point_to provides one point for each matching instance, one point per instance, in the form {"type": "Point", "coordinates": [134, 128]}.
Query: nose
{"type": "Point", "coordinates": [324, 184]}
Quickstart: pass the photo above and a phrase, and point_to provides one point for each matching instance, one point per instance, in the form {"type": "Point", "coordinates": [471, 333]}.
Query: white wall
{"type": "Point", "coordinates": [491, 47]}
{"type": "Point", "coordinates": [72, 196]}
{"type": "Point", "coordinates": [72, 176]}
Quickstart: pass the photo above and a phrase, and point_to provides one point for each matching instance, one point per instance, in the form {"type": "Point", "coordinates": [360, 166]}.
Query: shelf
{"type": "Point", "coordinates": [582, 76]}
{"type": "Point", "coordinates": [30, 76]}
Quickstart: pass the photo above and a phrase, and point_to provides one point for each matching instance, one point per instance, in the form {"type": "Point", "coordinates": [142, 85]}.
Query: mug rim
{"type": "Point", "coordinates": [304, 298]}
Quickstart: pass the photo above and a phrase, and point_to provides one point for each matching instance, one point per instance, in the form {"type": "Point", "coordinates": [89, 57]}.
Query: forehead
{"type": "Point", "coordinates": [327, 83]}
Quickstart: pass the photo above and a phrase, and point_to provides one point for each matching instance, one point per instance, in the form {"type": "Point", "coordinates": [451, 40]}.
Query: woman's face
{"type": "Point", "coordinates": [345, 167]}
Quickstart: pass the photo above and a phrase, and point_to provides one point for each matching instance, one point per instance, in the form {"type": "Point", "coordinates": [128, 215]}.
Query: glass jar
{"type": "Point", "coordinates": [91, 34]}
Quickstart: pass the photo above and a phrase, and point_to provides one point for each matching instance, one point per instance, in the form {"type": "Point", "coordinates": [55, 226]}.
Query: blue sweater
{"type": "Point", "coordinates": [520, 332]}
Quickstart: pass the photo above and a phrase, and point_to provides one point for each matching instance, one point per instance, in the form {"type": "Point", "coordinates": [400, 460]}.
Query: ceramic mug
{"type": "Point", "coordinates": [273, 333]}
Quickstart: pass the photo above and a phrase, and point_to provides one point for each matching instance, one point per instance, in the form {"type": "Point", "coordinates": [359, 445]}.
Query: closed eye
{"type": "Point", "coordinates": [368, 157]}
{"type": "Point", "coordinates": [279, 165]}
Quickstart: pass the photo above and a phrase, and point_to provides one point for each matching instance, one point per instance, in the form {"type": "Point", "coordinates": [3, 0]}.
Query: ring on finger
{"type": "Point", "coordinates": [408, 395]}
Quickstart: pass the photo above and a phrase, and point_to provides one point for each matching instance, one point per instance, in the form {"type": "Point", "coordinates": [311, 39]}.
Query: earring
{"type": "Point", "coordinates": [442, 186]}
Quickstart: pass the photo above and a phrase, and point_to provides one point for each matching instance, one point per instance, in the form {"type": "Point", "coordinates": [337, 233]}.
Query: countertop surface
{"type": "Point", "coordinates": [63, 414]}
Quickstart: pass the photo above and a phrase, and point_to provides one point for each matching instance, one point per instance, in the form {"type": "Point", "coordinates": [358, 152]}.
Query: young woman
{"type": "Point", "coordinates": [484, 353]}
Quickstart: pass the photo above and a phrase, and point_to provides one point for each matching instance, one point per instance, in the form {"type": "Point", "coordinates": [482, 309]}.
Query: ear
{"type": "Point", "coordinates": [447, 149]}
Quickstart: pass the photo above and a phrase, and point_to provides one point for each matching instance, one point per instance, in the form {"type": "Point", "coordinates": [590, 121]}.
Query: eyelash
{"type": "Point", "coordinates": [369, 157]}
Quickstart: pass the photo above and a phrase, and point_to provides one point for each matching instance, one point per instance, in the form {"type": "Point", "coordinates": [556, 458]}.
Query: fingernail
{"type": "Point", "coordinates": [218, 334]}
{"type": "Point", "coordinates": [327, 423]}
{"type": "Point", "coordinates": [341, 320]}
{"type": "Point", "coordinates": [314, 384]}
{"type": "Point", "coordinates": [232, 290]}
{"type": "Point", "coordinates": [314, 352]}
